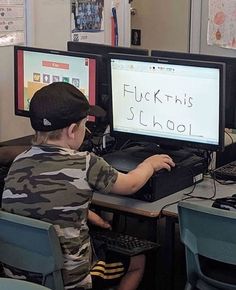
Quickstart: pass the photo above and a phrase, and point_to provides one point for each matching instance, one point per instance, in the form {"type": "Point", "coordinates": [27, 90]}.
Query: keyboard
{"type": "Point", "coordinates": [226, 172]}
{"type": "Point", "coordinates": [122, 243]}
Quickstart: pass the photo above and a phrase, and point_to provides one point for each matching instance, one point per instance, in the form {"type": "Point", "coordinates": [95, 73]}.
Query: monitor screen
{"type": "Point", "coordinates": [169, 102]}
{"type": "Point", "coordinates": [230, 77]}
{"type": "Point", "coordinates": [35, 68]}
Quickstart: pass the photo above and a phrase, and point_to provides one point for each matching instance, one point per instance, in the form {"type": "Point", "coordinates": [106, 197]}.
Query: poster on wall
{"type": "Point", "coordinates": [87, 21]}
{"type": "Point", "coordinates": [12, 22]}
{"type": "Point", "coordinates": [222, 23]}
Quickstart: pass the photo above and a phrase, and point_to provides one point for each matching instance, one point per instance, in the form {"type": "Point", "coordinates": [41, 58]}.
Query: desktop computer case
{"type": "Point", "coordinates": [164, 183]}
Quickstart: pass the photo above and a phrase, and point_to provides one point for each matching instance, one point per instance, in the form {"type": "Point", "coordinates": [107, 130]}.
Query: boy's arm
{"type": "Point", "coordinates": [131, 182]}
{"type": "Point", "coordinates": [96, 220]}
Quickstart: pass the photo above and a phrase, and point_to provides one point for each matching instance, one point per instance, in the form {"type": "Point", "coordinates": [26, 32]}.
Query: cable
{"type": "Point", "coordinates": [190, 196]}
{"type": "Point", "coordinates": [177, 201]}
{"type": "Point", "coordinates": [125, 145]}
{"type": "Point", "coordinates": [231, 138]}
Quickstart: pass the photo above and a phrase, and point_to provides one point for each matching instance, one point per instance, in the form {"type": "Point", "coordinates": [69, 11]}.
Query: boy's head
{"type": "Point", "coordinates": [57, 106]}
{"type": "Point", "coordinates": [58, 114]}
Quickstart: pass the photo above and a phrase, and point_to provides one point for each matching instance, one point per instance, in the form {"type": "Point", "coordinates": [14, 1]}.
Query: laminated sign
{"type": "Point", "coordinates": [12, 22]}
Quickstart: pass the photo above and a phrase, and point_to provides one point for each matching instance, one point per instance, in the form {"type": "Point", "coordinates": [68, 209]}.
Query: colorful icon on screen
{"type": "Point", "coordinates": [66, 79]}
{"type": "Point", "coordinates": [75, 82]}
{"type": "Point", "coordinates": [46, 78]}
{"type": "Point", "coordinates": [36, 77]}
{"type": "Point", "coordinates": [55, 79]}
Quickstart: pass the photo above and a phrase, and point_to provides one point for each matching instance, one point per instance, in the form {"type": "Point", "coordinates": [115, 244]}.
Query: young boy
{"type": "Point", "coordinates": [54, 182]}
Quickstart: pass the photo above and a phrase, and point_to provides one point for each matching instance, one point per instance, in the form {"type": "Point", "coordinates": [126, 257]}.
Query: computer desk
{"type": "Point", "coordinates": [151, 211]}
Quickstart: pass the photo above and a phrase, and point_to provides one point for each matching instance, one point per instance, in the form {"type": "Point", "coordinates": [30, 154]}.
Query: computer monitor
{"type": "Point", "coordinates": [36, 67]}
{"type": "Point", "coordinates": [170, 102]}
{"type": "Point", "coordinates": [230, 84]}
{"type": "Point", "coordinates": [103, 50]}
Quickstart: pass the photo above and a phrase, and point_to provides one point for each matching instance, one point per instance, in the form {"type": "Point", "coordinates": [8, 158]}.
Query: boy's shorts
{"type": "Point", "coordinates": [109, 270]}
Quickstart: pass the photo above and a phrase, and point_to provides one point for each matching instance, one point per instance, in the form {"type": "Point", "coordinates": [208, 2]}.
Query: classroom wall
{"type": "Point", "coordinates": [164, 24]}
{"type": "Point", "coordinates": [10, 125]}
{"type": "Point", "coordinates": [48, 26]}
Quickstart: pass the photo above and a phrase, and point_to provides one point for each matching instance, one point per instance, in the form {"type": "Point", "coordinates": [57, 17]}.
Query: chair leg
{"type": "Point", "coordinates": [204, 286]}
{"type": "Point", "coordinates": [188, 286]}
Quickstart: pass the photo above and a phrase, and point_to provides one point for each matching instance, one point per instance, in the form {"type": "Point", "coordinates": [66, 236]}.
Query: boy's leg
{"type": "Point", "coordinates": [117, 270]}
{"type": "Point", "coordinates": [132, 278]}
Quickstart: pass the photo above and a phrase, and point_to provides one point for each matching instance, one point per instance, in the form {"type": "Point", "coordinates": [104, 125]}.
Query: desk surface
{"type": "Point", "coordinates": [152, 209]}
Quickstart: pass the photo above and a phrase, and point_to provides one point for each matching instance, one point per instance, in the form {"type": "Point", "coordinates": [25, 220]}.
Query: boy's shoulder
{"type": "Point", "coordinates": [53, 151]}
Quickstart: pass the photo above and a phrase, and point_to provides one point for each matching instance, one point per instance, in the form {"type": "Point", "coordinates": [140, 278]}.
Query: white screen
{"type": "Point", "coordinates": [172, 101]}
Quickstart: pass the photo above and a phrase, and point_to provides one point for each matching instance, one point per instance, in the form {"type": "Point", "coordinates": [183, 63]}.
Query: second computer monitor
{"type": "Point", "coordinates": [103, 49]}
{"type": "Point", "coordinates": [169, 102]}
{"type": "Point", "coordinates": [36, 68]}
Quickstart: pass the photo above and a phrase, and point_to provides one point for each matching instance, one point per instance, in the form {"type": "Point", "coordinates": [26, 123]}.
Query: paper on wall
{"type": "Point", "coordinates": [222, 23]}
{"type": "Point", "coordinates": [12, 22]}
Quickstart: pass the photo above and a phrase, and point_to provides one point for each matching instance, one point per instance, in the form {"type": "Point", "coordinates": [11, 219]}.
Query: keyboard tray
{"type": "Point", "coordinates": [122, 243]}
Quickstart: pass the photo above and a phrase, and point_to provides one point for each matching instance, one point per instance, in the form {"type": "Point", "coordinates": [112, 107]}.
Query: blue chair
{"type": "Point", "coordinates": [14, 284]}
{"type": "Point", "coordinates": [31, 245]}
{"type": "Point", "coordinates": [210, 246]}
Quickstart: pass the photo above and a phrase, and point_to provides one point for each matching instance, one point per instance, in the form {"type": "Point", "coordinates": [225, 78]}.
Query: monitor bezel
{"type": "Point", "coordinates": [167, 141]}
{"type": "Point", "coordinates": [25, 113]}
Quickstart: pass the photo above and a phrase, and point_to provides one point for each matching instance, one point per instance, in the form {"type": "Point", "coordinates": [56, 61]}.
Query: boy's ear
{"type": "Point", "coordinates": [71, 130]}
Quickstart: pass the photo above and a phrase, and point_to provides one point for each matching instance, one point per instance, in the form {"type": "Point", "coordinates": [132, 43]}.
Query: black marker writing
{"type": "Point", "coordinates": [140, 119]}
{"type": "Point", "coordinates": [181, 128]}
{"type": "Point", "coordinates": [127, 91]}
{"type": "Point", "coordinates": [131, 111]}
{"type": "Point", "coordinates": [156, 96]}
{"type": "Point", "coordinates": [155, 123]}
{"type": "Point", "coordinates": [169, 125]}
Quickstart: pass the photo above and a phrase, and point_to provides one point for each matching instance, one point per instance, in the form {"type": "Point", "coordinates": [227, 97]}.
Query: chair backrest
{"type": "Point", "coordinates": [209, 233]}
{"type": "Point", "coordinates": [14, 284]}
{"type": "Point", "coordinates": [31, 245]}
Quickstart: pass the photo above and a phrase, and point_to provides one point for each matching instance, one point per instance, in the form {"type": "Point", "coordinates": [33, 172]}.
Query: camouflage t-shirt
{"type": "Point", "coordinates": [56, 185]}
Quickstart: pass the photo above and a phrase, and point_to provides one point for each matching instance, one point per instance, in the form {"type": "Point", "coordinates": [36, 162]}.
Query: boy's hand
{"type": "Point", "coordinates": [96, 220]}
{"type": "Point", "coordinates": [158, 162]}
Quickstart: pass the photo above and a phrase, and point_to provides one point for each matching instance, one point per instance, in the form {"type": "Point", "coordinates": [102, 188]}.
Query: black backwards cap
{"type": "Point", "coordinates": [58, 105]}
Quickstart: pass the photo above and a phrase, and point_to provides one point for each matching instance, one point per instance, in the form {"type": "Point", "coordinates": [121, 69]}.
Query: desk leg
{"type": "Point", "coordinates": [169, 249]}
